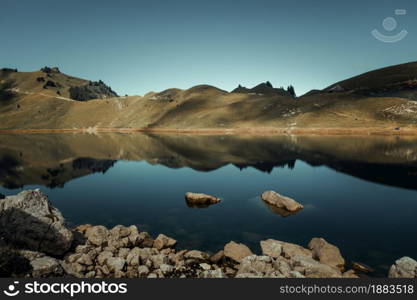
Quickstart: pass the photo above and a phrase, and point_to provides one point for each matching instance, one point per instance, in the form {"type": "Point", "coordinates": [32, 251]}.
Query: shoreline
{"type": "Point", "coordinates": [94, 251]}
{"type": "Point", "coordinates": [260, 131]}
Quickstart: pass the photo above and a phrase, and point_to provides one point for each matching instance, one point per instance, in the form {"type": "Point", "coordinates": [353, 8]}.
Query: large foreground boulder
{"type": "Point", "coordinates": [280, 202]}
{"type": "Point", "coordinates": [29, 221]}
{"type": "Point", "coordinates": [405, 267]}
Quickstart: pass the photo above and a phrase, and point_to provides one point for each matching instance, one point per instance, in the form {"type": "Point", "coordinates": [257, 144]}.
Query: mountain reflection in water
{"type": "Point", "coordinates": [54, 159]}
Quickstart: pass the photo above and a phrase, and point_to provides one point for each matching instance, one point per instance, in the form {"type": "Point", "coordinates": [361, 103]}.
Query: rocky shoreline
{"type": "Point", "coordinates": [35, 242]}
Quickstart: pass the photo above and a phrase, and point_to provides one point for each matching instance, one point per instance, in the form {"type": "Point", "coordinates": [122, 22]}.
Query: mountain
{"type": "Point", "coordinates": [265, 88]}
{"type": "Point", "coordinates": [395, 81]}
{"type": "Point", "coordinates": [380, 101]}
{"type": "Point", "coordinates": [50, 81]}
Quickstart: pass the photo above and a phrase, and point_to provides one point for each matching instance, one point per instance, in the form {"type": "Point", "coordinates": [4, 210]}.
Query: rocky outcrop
{"type": "Point", "coordinates": [200, 200]}
{"type": "Point", "coordinates": [91, 90]}
{"type": "Point", "coordinates": [281, 202]}
{"type": "Point", "coordinates": [29, 221]}
{"type": "Point", "coordinates": [404, 267]}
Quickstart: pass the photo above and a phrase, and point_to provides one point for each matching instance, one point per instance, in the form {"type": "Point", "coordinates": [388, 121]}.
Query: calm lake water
{"type": "Point", "coordinates": [359, 193]}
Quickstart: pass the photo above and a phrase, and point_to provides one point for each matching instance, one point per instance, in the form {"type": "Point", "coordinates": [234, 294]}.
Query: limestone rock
{"type": "Point", "coordinates": [326, 253]}
{"type": "Point", "coordinates": [163, 241]}
{"type": "Point", "coordinates": [404, 267]}
{"type": "Point", "coordinates": [115, 264]}
{"type": "Point", "coordinates": [309, 267]}
{"type": "Point", "coordinates": [29, 221]}
{"type": "Point", "coordinates": [197, 255]}
{"type": "Point", "coordinates": [236, 251]}
{"type": "Point", "coordinates": [283, 202]}
{"type": "Point", "coordinates": [143, 271]}
{"type": "Point", "coordinates": [256, 265]}
{"type": "Point", "coordinates": [271, 248]}
{"type": "Point", "coordinates": [218, 273]}
{"type": "Point", "coordinates": [361, 267]}
{"type": "Point", "coordinates": [200, 200]}
{"type": "Point", "coordinates": [97, 235]}
{"type": "Point", "coordinates": [46, 267]}
{"type": "Point", "coordinates": [215, 258]}
{"type": "Point", "coordinates": [289, 250]}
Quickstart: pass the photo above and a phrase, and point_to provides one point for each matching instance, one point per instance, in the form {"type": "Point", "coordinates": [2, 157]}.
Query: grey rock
{"type": "Point", "coordinates": [163, 241]}
{"type": "Point", "coordinates": [46, 267]}
{"type": "Point", "coordinates": [405, 267]}
{"type": "Point", "coordinates": [115, 264]}
{"type": "Point", "coordinates": [97, 235]}
{"type": "Point", "coordinates": [143, 271]}
{"type": "Point", "coordinates": [29, 221]}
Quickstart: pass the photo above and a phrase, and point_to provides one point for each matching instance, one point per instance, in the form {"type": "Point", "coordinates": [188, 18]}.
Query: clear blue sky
{"type": "Point", "coordinates": [141, 46]}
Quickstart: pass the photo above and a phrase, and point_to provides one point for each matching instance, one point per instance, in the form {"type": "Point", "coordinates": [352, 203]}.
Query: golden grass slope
{"type": "Point", "coordinates": [208, 108]}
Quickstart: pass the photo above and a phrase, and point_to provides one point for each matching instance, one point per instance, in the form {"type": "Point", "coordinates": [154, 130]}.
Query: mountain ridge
{"type": "Point", "coordinates": [361, 102]}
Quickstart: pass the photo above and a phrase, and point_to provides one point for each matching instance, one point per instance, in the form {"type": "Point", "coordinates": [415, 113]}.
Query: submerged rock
{"type": "Point", "coordinates": [29, 221]}
{"type": "Point", "coordinates": [405, 267]}
{"type": "Point", "coordinates": [281, 202]}
{"type": "Point", "coordinates": [361, 267]}
{"type": "Point", "coordinates": [326, 253]}
{"type": "Point", "coordinates": [198, 200]}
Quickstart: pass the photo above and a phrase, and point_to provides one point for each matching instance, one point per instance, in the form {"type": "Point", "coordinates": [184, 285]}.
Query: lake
{"type": "Point", "coordinates": [359, 193]}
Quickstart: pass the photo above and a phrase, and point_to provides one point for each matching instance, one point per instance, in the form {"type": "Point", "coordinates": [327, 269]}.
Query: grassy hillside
{"type": "Point", "coordinates": [29, 105]}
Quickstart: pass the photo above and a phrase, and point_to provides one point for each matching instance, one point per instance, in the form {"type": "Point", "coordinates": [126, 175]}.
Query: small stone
{"type": "Point", "coordinates": [82, 228]}
{"type": "Point", "coordinates": [123, 252]}
{"type": "Point", "coordinates": [152, 275]}
{"type": "Point", "coordinates": [45, 267]}
{"type": "Point", "coordinates": [200, 200]}
{"type": "Point", "coordinates": [90, 274]}
{"type": "Point", "coordinates": [163, 241]}
{"type": "Point", "coordinates": [197, 255]}
{"type": "Point", "coordinates": [158, 260]}
{"type": "Point", "coordinates": [205, 266]}
{"type": "Point", "coordinates": [273, 198]}
{"type": "Point", "coordinates": [218, 273]}
{"type": "Point", "coordinates": [103, 256]}
{"type": "Point", "coordinates": [97, 235]}
{"type": "Point", "coordinates": [166, 269]}
{"type": "Point", "coordinates": [115, 264]}
{"type": "Point", "coordinates": [119, 232]}
{"type": "Point", "coordinates": [215, 258]}
{"type": "Point", "coordinates": [271, 248]}
{"type": "Point", "coordinates": [85, 259]}
{"type": "Point", "coordinates": [143, 270]}
{"type": "Point", "coordinates": [405, 267]}
{"type": "Point", "coordinates": [236, 251]}
{"type": "Point", "coordinates": [361, 267]}
{"type": "Point", "coordinates": [350, 274]}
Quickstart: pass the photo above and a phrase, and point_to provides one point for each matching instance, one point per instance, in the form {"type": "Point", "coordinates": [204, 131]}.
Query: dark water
{"type": "Point", "coordinates": [359, 193]}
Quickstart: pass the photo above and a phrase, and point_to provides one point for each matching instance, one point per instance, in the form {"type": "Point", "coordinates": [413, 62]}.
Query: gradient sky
{"type": "Point", "coordinates": [142, 46]}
